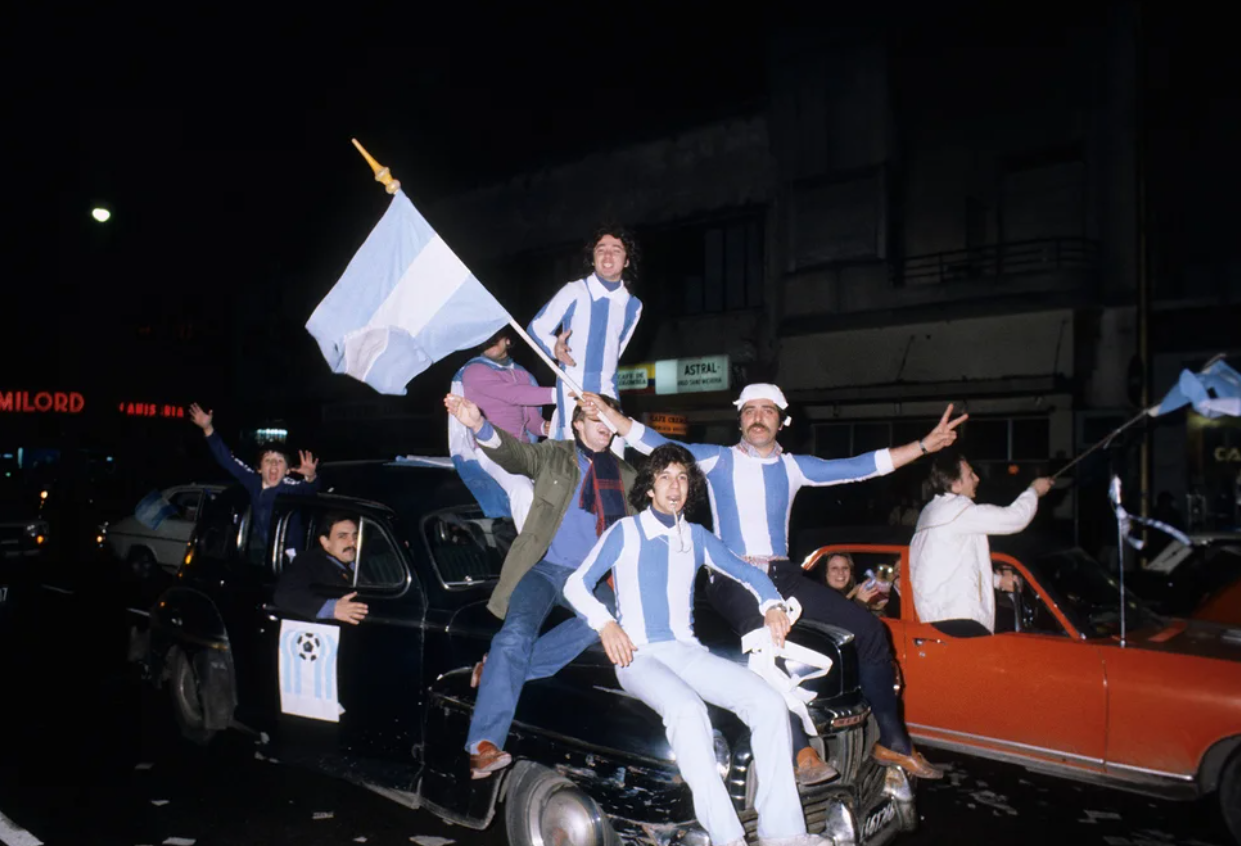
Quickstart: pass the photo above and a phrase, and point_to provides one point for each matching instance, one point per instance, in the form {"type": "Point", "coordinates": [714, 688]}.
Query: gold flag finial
{"type": "Point", "coordinates": [381, 173]}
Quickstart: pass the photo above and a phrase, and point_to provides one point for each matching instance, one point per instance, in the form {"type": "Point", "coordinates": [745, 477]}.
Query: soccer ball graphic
{"type": "Point", "coordinates": [308, 645]}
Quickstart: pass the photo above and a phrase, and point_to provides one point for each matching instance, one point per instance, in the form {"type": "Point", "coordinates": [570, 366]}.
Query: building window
{"type": "Point", "coordinates": [983, 440]}
{"type": "Point", "coordinates": [710, 267]}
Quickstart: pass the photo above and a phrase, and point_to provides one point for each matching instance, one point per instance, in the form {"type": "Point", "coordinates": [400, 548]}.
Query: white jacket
{"type": "Point", "coordinates": [950, 560]}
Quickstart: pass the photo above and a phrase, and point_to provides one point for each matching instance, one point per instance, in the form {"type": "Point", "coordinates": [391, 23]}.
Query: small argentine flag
{"type": "Point", "coordinates": [153, 510]}
{"type": "Point", "coordinates": [404, 302]}
{"type": "Point", "coordinates": [1214, 392]}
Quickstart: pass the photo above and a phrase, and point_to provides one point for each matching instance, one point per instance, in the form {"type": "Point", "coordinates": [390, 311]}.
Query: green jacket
{"type": "Point", "coordinates": [553, 467]}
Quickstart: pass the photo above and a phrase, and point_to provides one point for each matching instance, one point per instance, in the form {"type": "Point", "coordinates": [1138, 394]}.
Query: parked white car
{"type": "Point", "coordinates": [143, 548]}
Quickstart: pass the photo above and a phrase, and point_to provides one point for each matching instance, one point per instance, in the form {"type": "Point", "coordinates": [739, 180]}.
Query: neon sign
{"type": "Point", "coordinates": [150, 409]}
{"type": "Point", "coordinates": [43, 402]}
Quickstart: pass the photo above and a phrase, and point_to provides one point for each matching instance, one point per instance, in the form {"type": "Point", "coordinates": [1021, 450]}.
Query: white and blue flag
{"type": "Point", "coordinates": [1214, 392]}
{"type": "Point", "coordinates": [308, 670]}
{"type": "Point", "coordinates": [465, 457]}
{"type": "Point", "coordinates": [404, 302]}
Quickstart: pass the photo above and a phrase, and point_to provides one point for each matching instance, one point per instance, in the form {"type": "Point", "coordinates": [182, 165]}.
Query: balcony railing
{"type": "Point", "coordinates": [995, 262]}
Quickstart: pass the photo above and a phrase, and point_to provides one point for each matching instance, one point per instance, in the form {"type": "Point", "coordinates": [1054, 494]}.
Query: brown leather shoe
{"type": "Point", "coordinates": [811, 769]}
{"type": "Point", "coordinates": [476, 677]}
{"type": "Point", "coordinates": [487, 760]}
{"type": "Point", "coordinates": [913, 763]}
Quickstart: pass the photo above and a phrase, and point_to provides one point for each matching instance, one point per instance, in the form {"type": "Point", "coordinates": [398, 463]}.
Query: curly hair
{"type": "Point", "coordinates": [633, 253]}
{"type": "Point", "coordinates": [656, 462]}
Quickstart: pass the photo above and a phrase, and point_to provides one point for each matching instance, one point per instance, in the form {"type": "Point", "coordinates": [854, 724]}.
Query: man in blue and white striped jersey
{"type": "Point", "coordinates": [653, 557]}
{"type": "Point", "coordinates": [589, 322]}
{"type": "Point", "coordinates": [752, 486]}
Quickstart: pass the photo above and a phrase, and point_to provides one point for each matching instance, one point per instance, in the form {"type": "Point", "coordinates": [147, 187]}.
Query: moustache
{"type": "Point", "coordinates": [350, 549]}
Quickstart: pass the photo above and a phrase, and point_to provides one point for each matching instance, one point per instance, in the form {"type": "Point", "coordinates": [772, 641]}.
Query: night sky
{"type": "Point", "coordinates": [221, 142]}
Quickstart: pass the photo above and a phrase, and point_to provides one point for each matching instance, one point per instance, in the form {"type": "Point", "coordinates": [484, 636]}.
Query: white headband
{"type": "Point", "coordinates": [763, 390]}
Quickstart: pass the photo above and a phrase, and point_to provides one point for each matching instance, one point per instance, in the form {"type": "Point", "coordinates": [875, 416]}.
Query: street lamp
{"type": "Point", "coordinates": [101, 214]}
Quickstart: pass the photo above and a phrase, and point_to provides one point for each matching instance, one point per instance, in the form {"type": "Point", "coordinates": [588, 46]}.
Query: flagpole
{"type": "Point", "coordinates": [384, 176]}
{"type": "Point", "coordinates": [1149, 412]}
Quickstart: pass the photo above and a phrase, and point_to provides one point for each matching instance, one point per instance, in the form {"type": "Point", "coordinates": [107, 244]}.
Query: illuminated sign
{"type": "Point", "coordinates": [1224, 454]}
{"type": "Point", "coordinates": [150, 409]}
{"type": "Point", "coordinates": [637, 379]}
{"type": "Point", "coordinates": [676, 376]}
{"type": "Point", "coordinates": [56, 402]}
{"type": "Point", "coordinates": [668, 424]}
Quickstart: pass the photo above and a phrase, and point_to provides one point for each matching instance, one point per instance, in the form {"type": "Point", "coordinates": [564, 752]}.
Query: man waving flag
{"type": "Point", "coordinates": [1213, 392]}
{"type": "Point", "coordinates": [404, 302]}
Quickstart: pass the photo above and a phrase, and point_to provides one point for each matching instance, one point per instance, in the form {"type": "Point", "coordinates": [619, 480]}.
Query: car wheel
{"type": "Point", "coordinates": [187, 700]}
{"type": "Point", "coordinates": [546, 809]}
{"type": "Point", "coordinates": [1230, 795]}
{"type": "Point", "coordinates": [141, 562]}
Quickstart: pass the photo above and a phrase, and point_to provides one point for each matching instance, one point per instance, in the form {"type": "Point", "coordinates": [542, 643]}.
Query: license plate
{"type": "Point", "coordinates": [878, 819]}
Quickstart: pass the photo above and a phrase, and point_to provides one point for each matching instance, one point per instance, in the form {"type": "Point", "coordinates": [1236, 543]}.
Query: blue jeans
{"type": "Point", "coordinates": [519, 655]}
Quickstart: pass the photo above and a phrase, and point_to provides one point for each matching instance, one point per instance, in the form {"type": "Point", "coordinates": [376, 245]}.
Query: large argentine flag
{"type": "Point", "coordinates": [1215, 392]}
{"type": "Point", "coordinates": [404, 302]}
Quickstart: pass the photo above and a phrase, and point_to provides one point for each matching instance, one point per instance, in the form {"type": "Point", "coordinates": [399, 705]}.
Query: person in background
{"type": "Point", "coordinates": [509, 397]}
{"type": "Point", "coordinates": [270, 479]}
{"type": "Point", "coordinates": [840, 579]}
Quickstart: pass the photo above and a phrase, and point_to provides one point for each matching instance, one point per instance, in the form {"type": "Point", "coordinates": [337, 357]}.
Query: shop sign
{"type": "Point", "coordinates": [43, 402]}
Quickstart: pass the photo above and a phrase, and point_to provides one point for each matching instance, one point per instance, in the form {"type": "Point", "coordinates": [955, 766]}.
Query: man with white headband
{"type": "Point", "coordinates": [751, 487]}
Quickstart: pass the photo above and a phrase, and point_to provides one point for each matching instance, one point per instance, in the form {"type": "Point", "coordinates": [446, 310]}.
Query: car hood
{"type": "Point", "coordinates": [1193, 637]}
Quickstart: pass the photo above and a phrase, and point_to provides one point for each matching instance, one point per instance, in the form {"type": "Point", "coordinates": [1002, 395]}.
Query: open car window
{"type": "Point", "coordinates": [379, 564]}
{"type": "Point", "coordinates": [466, 547]}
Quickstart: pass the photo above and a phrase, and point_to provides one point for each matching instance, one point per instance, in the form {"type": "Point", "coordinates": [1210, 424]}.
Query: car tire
{"type": "Point", "coordinates": [187, 699]}
{"type": "Point", "coordinates": [141, 563]}
{"type": "Point", "coordinates": [1230, 795]}
{"type": "Point", "coordinates": [543, 808]}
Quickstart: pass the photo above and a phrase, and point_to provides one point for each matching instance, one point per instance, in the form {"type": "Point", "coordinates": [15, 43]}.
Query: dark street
{"type": "Point", "coordinates": [94, 758]}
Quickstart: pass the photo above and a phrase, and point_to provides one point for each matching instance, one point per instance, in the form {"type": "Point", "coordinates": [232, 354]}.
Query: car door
{"type": "Point", "coordinates": [381, 658]}
{"type": "Point", "coordinates": [376, 663]}
{"type": "Point", "coordinates": [174, 532]}
{"type": "Point", "coordinates": [1037, 693]}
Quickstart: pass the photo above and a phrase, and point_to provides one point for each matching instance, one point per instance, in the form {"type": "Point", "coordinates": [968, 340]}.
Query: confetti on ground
{"type": "Point", "coordinates": [1023, 781]}
{"type": "Point", "coordinates": [982, 783]}
{"type": "Point", "coordinates": [180, 841]}
{"type": "Point", "coordinates": [1117, 841]}
{"type": "Point", "coordinates": [994, 800]}
{"type": "Point", "coordinates": [259, 756]}
{"type": "Point", "coordinates": [145, 765]}
{"type": "Point", "coordinates": [430, 840]}
{"type": "Point", "coordinates": [1103, 815]}
{"type": "Point", "coordinates": [159, 802]}
{"type": "Point", "coordinates": [322, 815]}
{"type": "Point", "coordinates": [359, 839]}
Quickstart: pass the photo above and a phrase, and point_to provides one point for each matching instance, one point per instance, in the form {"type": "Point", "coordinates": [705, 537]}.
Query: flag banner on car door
{"type": "Point", "coordinates": [308, 670]}
{"type": "Point", "coordinates": [404, 302]}
{"type": "Point", "coordinates": [153, 510]}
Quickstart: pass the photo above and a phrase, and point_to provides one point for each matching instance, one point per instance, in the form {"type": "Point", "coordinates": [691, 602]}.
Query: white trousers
{"type": "Point", "coordinates": [519, 488]}
{"type": "Point", "coordinates": [675, 678]}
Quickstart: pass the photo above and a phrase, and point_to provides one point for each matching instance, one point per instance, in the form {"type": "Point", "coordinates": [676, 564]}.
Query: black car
{"type": "Point", "coordinates": [590, 762]}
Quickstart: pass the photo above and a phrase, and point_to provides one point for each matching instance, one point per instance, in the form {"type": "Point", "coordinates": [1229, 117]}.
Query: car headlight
{"type": "Point", "coordinates": [723, 753]}
{"type": "Point", "coordinates": [32, 529]}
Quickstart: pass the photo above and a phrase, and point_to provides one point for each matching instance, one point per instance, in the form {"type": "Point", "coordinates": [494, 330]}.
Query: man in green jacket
{"type": "Point", "coordinates": [580, 488]}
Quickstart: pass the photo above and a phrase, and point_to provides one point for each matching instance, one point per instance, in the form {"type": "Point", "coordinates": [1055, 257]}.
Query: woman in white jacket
{"type": "Point", "coordinates": [949, 557]}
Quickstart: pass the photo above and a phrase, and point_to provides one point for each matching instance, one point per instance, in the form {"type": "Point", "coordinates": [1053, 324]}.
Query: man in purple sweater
{"type": "Point", "coordinates": [510, 399]}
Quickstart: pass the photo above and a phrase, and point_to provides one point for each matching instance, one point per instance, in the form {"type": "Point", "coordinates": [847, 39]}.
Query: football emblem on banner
{"type": "Point", "coordinates": [308, 670]}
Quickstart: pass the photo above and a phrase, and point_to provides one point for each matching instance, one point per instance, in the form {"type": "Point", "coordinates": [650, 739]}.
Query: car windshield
{"type": "Point", "coordinates": [1091, 595]}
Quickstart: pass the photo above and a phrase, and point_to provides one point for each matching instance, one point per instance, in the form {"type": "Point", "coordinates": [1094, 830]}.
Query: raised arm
{"type": "Point", "coordinates": [238, 469]}
{"type": "Point", "coordinates": [818, 472]}
{"type": "Point", "coordinates": [941, 436]}
{"type": "Point", "coordinates": [502, 448]}
{"type": "Point", "coordinates": [645, 439]}
{"type": "Point", "coordinates": [543, 328]}
{"type": "Point", "coordinates": [999, 519]}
